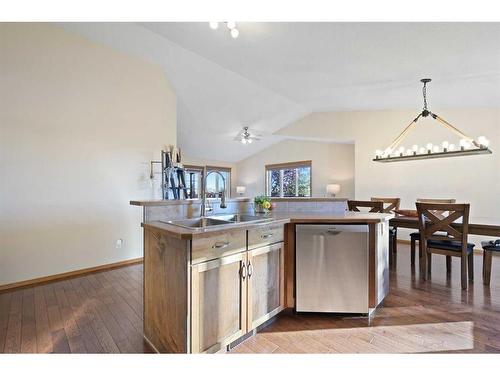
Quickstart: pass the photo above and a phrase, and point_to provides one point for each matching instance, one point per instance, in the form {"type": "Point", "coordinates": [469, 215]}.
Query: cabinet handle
{"type": "Point", "coordinates": [268, 235]}
{"type": "Point", "coordinates": [243, 271]}
{"type": "Point", "coordinates": [250, 269]}
{"type": "Point", "coordinates": [221, 245]}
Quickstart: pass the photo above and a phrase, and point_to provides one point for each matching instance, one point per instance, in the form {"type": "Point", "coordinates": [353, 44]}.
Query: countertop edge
{"type": "Point", "coordinates": [187, 234]}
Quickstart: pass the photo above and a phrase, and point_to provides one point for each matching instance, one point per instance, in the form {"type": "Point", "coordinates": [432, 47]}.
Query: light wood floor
{"type": "Point", "coordinates": [102, 313]}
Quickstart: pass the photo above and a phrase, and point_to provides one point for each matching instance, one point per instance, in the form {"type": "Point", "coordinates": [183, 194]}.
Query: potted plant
{"type": "Point", "coordinates": [262, 204]}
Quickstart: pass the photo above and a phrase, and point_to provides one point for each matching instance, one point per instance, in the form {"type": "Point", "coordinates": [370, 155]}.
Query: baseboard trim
{"type": "Point", "coordinates": [67, 275]}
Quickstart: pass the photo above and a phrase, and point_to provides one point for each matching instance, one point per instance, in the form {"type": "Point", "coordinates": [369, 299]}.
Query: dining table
{"type": "Point", "coordinates": [482, 226]}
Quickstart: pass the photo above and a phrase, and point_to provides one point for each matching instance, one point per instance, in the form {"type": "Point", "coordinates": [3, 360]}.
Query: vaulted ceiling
{"type": "Point", "coordinates": [276, 73]}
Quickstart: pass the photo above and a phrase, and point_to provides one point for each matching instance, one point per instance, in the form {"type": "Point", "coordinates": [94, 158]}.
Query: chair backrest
{"type": "Point", "coordinates": [435, 200]}
{"type": "Point", "coordinates": [430, 223]}
{"type": "Point", "coordinates": [390, 204]}
{"type": "Point", "coordinates": [373, 206]}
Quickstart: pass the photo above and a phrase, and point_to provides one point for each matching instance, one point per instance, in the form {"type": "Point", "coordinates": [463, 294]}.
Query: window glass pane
{"type": "Point", "coordinates": [292, 181]}
{"type": "Point", "coordinates": [304, 182]}
{"type": "Point", "coordinates": [273, 178]}
{"type": "Point", "coordinates": [289, 182]}
{"type": "Point", "coordinates": [215, 184]}
{"type": "Point", "coordinates": [193, 182]}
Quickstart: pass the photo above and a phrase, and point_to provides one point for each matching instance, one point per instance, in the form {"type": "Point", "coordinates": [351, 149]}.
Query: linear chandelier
{"type": "Point", "coordinates": [467, 145]}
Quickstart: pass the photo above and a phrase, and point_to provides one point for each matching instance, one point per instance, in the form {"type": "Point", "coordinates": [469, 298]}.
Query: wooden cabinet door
{"type": "Point", "coordinates": [266, 288]}
{"type": "Point", "coordinates": [218, 302]}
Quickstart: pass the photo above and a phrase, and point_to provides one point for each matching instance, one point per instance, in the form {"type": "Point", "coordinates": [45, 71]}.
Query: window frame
{"type": "Point", "coordinates": [290, 165]}
{"type": "Point", "coordinates": [204, 169]}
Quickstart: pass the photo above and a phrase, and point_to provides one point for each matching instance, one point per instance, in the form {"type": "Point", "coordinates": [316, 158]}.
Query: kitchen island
{"type": "Point", "coordinates": [207, 287]}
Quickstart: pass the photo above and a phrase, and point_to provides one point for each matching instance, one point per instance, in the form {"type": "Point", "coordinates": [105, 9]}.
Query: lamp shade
{"type": "Point", "coordinates": [332, 189]}
{"type": "Point", "coordinates": [241, 189]}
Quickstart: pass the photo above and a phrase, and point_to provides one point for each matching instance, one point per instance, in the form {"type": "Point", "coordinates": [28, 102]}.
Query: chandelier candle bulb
{"type": "Point", "coordinates": [483, 141]}
{"type": "Point", "coordinates": [231, 25]}
{"type": "Point", "coordinates": [435, 149]}
{"type": "Point", "coordinates": [445, 145]}
{"type": "Point", "coordinates": [451, 147]}
{"type": "Point", "coordinates": [214, 25]}
{"type": "Point", "coordinates": [422, 150]}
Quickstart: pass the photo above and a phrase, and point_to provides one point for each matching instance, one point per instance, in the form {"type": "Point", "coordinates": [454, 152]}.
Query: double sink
{"type": "Point", "coordinates": [210, 221]}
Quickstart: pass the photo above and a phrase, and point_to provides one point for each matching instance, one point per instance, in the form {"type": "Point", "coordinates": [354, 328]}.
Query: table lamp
{"type": "Point", "coordinates": [332, 189]}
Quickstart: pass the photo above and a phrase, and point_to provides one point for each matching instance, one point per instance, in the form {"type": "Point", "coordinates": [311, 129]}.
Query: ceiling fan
{"type": "Point", "coordinates": [245, 137]}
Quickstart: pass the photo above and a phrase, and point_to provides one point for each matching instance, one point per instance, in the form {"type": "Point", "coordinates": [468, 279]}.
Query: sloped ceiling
{"type": "Point", "coordinates": [276, 73]}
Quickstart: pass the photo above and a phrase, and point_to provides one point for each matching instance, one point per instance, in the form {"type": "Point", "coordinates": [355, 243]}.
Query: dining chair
{"type": "Point", "coordinates": [390, 205]}
{"type": "Point", "coordinates": [415, 236]}
{"type": "Point", "coordinates": [489, 247]}
{"type": "Point", "coordinates": [353, 205]}
{"type": "Point", "coordinates": [452, 243]}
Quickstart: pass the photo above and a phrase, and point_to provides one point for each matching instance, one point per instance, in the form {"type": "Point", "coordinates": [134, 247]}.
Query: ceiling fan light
{"type": "Point", "coordinates": [244, 141]}
{"type": "Point", "coordinates": [235, 33]}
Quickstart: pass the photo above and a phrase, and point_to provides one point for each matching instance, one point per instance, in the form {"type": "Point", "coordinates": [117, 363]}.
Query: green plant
{"type": "Point", "coordinates": [262, 203]}
{"type": "Point", "coordinates": [261, 199]}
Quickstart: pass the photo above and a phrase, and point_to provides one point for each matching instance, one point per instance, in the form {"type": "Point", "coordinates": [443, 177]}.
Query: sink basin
{"type": "Point", "coordinates": [210, 221]}
{"type": "Point", "coordinates": [239, 218]}
{"type": "Point", "coordinates": [199, 222]}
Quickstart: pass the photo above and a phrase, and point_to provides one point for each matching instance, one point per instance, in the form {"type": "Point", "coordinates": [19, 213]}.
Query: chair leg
{"type": "Point", "coordinates": [429, 263]}
{"type": "Point", "coordinates": [412, 249]}
{"type": "Point", "coordinates": [486, 267]}
{"type": "Point", "coordinates": [395, 241]}
{"type": "Point", "coordinates": [470, 264]}
{"type": "Point", "coordinates": [422, 263]}
{"type": "Point", "coordinates": [448, 264]}
{"type": "Point", "coordinates": [463, 271]}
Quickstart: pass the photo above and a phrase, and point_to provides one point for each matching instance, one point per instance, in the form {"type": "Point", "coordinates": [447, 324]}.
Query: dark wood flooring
{"type": "Point", "coordinates": [102, 313]}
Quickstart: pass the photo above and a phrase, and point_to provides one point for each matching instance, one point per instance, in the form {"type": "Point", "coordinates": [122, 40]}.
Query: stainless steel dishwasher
{"type": "Point", "coordinates": [332, 268]}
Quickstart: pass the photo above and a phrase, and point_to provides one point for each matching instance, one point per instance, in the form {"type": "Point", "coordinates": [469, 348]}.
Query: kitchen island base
{"type": "Point", "coordinates": [207, 290]}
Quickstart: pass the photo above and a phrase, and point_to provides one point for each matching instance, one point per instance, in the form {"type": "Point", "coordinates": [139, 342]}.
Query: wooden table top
{"type": "Point", "coordinates": [483, 226]}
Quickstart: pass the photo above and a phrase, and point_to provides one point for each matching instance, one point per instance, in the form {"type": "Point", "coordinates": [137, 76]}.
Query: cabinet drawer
{"type": "Point", "coordinates": [212, 246]}
{"type": "Point", "coordinates": [265, 235]}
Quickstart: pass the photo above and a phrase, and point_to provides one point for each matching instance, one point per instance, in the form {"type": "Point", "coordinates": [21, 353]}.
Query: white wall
{"type": "Point", "coordinates": [331, 163]}
{"type": "Point", "coordinates": [473, 179]}
{"type": "Point", "coordinates": [79, 124]}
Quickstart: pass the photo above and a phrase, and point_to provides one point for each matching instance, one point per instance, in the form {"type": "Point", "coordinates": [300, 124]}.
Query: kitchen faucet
{"type": "Point", "coordinates": [204, 193]}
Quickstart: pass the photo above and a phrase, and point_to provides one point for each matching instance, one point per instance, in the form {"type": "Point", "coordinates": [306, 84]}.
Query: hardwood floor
{"type": "Point", "coordinates": [102, 313]}
{"type": "Point", "coordinates": [96, 313]}
{"type": "Point", "coordinates": [416, 317]}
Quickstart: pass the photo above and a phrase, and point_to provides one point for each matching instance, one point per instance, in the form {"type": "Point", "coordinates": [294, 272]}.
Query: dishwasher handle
{"type": "Point", "coordinates": [332, 232]}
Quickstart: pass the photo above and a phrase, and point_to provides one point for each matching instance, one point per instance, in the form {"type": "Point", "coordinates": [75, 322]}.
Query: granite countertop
{"type": "Point", "coordinates": [275, 218]}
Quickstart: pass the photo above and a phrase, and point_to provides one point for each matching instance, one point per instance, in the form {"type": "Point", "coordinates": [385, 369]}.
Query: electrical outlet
{"type": "Point", "coordinates": [119, 243]}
